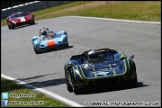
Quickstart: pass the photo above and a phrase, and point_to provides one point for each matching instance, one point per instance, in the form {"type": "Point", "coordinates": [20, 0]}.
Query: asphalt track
{"type": "Point", "coordinates": [46, 70]}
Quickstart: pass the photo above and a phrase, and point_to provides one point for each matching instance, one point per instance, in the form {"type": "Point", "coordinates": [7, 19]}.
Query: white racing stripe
{"type": "Point", "coordinates": [69, 102]}
{"type": "Point", "coordinates": [110, 19]}
{"type": "Point", "coordinates": [22, 19]}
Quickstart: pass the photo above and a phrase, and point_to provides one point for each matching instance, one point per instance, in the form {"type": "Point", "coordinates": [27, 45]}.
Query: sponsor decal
{"type": "Point", "coordinates": [102, 73]}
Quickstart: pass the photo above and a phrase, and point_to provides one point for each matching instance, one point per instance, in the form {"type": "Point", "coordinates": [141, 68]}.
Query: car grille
{"type": "Point", "coordinates": [107, 81]}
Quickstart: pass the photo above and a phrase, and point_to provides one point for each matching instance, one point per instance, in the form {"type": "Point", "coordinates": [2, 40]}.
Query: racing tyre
{"type": "Point", "coordinates": [76, 89]}
{"type": "Point", "coordinates": [33, 22]}
{"type": "Point", "coordinates": [9, 26]}
{"type": "Point", "coordinates": [12, 27]}
{"type": "Point", "coordinates": [69, 88]}
{"type": "Point", "coordinates": [67, 45]}
{"type": "Point", "coordinates": [135, 80]}
{"type": "Point", "coordinates": [133, 83]}
{"type": "Point", "coordinates": [36, 51]}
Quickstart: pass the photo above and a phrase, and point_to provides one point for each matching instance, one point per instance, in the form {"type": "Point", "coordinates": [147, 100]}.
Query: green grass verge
{"type": "Point", "coordinates": [13, 88]}
{"type": "Point", "coordinates": [133, 10]}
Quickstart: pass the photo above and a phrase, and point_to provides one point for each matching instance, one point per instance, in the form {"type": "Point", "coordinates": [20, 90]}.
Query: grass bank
{"type": "Point", "coordinates": [34, 99]}
{"type": "Point", "coordinates": [132, 10]}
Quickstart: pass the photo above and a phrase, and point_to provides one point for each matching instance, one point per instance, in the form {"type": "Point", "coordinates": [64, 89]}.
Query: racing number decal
{"type": "Point", "coordinates": [22, 19]}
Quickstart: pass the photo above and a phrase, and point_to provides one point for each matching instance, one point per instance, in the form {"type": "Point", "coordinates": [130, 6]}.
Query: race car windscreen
{"type": "Point", "coordinates": [107, 55]}
{"type": "Point", "coordinates": [19, 14]}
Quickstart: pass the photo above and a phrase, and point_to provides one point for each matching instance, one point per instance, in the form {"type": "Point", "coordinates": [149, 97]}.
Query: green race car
{"type": "Point", "coordinates": [101, 67]}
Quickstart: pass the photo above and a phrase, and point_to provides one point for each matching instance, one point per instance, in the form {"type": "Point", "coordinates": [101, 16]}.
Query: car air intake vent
{"type": "Point", "coordinates": [59, 42]}
{"type": "Point", "coordinates": [42, 45]}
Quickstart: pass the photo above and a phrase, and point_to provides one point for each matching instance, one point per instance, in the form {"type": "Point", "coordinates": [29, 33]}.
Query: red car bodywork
{"type": "Point", "coordinates": [20, 18]}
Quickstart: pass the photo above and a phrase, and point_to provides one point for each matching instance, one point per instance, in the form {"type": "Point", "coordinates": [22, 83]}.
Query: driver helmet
{"type": "Point", "coordinates": [45, 28]}
{"type": "Point", "coordinates": [43, 32]}
{"type": "Point", "coordinates": [92, 55]}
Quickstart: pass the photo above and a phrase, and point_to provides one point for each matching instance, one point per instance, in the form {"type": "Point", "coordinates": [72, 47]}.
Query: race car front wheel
{"type": "Point", "coordinates": [37, 52]}
{"type": "Point", "coordinates": [69, 88]}
{"type": "Point", "coordinates": [67, 45]}
{"type": "Point", "coordinates": [12, 27]}
{"type": "Point", "coordinates": [76, 89]}
{"type": "Point", "coordinates": [133, 82]}
{"type": "Point", "coordinates": [9, 26]}
{"type": "Point", "coordinates": [32, 22]}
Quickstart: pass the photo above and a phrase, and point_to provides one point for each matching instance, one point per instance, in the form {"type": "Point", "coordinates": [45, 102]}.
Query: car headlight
{"type": "Point", "coordinates": [13, 21]}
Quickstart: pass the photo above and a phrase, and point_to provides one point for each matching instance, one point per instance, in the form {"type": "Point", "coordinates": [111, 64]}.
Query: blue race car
{"type": "Point", "coordinates": [99, 68]}
{"type": "Point", "coordinates": [48, 40]}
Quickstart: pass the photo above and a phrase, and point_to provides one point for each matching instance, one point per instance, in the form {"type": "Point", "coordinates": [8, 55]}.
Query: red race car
{"type": "Point", "coordinates": [20, 18]}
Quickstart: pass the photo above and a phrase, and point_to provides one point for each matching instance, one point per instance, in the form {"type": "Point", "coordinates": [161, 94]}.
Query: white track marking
{"type": "Point", "coordinates": [69, 102]}
{"type": "Point", "coordinates": [110, 19]}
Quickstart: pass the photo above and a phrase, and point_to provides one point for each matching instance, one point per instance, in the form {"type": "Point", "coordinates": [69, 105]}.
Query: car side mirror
{"type": "Point", "coordinates": [131, 56]}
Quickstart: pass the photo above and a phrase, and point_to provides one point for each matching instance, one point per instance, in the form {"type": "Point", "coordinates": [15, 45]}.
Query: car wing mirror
{"type": "Point", "coordinates": [131, 56]}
